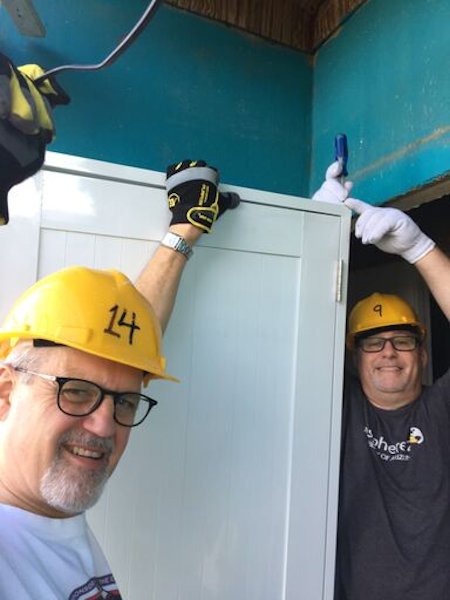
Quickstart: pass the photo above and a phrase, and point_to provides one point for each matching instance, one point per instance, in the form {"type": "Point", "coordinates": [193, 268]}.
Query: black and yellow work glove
{"type": "Point", "coordinates": [26, 124]}
{"type": "Point", "coordinates": [193, 195]}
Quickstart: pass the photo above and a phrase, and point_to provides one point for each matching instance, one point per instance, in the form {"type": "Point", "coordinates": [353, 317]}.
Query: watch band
{"type": "Point", "coordinates": [177, 243]}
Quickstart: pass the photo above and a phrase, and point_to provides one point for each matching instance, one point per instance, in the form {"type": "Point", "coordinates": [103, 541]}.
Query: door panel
{"type": "Point", "coordinates": [230, 489]}
{"type": "Point", "coordinates": [19, 242]}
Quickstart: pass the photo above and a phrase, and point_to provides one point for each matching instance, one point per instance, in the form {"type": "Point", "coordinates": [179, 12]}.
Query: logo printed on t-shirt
{"type": "Point", "coordinates": [394, 451]}
{"type": "Point", "coordinates": [415, 436]}
{"type": "Point", "coordinates": [97, 588]}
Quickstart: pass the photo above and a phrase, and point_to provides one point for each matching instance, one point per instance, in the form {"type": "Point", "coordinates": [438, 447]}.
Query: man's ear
{"type": "Point", "coordinates": [355, 359]}
{"type": "Point", "coordinates": [423, 356]}
{"type": "Point", "coordinates": [6, 386]}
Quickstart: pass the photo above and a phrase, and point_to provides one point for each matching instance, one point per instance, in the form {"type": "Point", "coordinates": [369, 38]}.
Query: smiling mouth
{"type": "Point", "coordinates": [85, 453]}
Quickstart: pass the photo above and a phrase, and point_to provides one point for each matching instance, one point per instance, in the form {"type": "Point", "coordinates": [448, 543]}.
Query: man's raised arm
{"type": "Point", "coordinates": [196, 204]}
{"type": "Point", "coordinates": [394, 232]}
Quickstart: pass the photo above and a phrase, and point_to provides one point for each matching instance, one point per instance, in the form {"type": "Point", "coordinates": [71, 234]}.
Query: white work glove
{"type": "Point", "coordinates": [391, 230]}
{"type": "Point", "coordinates": [332, 190]}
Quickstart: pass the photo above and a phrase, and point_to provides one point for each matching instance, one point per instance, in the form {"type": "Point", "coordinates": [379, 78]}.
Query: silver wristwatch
{"type": "Point", "coordinates": [177, 243]}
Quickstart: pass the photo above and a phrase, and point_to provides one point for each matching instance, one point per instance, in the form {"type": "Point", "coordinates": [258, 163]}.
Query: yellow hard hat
{"type": "Point", "coordinates": [95, 311]}
{"type": "Point", "coordinates": [379, 311]}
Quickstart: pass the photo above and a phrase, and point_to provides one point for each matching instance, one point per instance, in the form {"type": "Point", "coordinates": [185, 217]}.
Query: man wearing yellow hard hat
{"type": "Point", "coordinates": [76, 349]}
{"type": "Point", "coordinates": [394, 505]}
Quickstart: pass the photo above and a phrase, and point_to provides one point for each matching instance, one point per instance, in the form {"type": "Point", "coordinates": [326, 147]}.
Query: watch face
{"type": "Point", "coordinates": [177, 243]}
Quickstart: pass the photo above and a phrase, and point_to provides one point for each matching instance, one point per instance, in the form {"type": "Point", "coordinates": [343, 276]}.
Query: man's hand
{"type": "Point", "coordinates": [332, 190]}
{"type": "Point", "coordinates": [391, 230]}
{"type": "Point", "coordinates": [193, 195]}
{"type": "Point", "coordinates": [26, 124]}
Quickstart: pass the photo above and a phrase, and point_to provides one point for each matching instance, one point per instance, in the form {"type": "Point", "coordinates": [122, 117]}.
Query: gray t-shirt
{"type": "Point", "coordinates": [394, 510]}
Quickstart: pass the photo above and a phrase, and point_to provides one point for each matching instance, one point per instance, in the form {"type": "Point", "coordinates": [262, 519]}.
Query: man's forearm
{"type": "Point", "coordinates": [161, 276]}
{"type": "Point", "coordinates": [435, 270]}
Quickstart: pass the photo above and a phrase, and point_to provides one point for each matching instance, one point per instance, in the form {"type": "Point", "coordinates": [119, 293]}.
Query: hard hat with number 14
{"type": "Point", "coordinates": [96, 311]}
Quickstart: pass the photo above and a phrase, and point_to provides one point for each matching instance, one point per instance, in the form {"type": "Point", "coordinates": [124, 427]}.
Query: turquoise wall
{"type": "Point", "coordinates": [188, 87]}
{"type": "Point", "coordinates": [384, 79]}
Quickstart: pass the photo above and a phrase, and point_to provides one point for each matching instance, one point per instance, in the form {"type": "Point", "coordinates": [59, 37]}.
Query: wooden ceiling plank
{"type": "Point", "coordinates": [300, 24]}
{"type": "Point", "coordinates": [329, 16]}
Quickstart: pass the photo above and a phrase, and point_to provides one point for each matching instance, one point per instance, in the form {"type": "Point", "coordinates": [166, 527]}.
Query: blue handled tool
{"type": "Point", "coordinates": [341, 152]}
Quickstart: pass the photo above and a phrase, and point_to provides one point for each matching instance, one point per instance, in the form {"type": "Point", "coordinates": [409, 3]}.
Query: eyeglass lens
{"type": "Point", "coordinates": [79, 398]}
{"type": "Point", "coordinates": [402, 343]}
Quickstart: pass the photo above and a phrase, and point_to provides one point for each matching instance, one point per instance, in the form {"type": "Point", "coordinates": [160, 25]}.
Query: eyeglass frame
{"type": "Point", "coordinates": [417, 342]}
{"type": "Point", "coordinates": [60, 381]}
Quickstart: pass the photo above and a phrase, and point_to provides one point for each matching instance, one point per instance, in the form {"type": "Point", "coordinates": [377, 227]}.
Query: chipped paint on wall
{"type": "Point", "coordinates": [400, 153]}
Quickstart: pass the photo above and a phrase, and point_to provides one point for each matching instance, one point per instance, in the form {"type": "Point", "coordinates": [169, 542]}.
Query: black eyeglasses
{"type": "Point", "coordinates": [402, 343]}
{"type": "Point", "coordinates": [79, 398]}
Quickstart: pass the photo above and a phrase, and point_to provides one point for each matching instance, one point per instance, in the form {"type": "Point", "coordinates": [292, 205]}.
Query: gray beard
{"type": "Point", "coordinates": [71, 490]}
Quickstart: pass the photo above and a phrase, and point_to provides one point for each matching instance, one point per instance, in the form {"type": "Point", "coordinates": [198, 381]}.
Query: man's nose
{"type": "Point", "coordinates": [101, 421]}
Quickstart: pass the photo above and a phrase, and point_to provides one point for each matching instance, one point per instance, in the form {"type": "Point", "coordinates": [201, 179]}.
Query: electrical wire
{"type": "Point", "coordinates": [118, 50]}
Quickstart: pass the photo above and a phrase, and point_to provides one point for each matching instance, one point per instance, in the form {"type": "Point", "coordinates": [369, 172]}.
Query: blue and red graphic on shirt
{"type": "Point", "coordinates": [97, 588]}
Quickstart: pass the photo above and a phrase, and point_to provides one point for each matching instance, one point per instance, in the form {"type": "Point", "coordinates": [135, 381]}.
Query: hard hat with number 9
{"type": "Point", "coordinates": [96, 311]}
{"type": "Point", "coordinates": [381, 311]}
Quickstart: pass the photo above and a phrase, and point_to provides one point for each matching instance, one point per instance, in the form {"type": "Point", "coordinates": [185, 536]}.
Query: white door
{"type": "Point", "coordinates": [229, 491]}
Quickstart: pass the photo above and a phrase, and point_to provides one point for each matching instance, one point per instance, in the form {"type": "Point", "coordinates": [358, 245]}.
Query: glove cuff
{"type": "Point", "coordinates": [419, 250]}
{"type": "Point", "coordinates": [191, 174]}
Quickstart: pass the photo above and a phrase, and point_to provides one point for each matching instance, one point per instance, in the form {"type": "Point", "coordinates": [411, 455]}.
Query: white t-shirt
{"type": "Point", "coordinates": [51, 559]}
